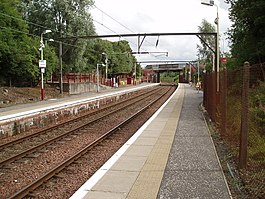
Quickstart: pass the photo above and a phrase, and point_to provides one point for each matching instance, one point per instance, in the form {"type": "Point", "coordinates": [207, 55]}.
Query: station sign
{"type": "Point", "coordinates": [42, 63]}
{"type": "Point", "coordinates": [224, 60]}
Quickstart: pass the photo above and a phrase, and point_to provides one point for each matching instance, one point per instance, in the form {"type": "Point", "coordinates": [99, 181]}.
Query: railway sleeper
{"type": "Point", "coordinates": [32, 195]}
{"type": "Point", "coordinates": [58, 175]}
{"type": "Point", "coordinates": [61, 142]}
{"type": "Point", "coordinates": [32, 155]}
{"type": "Point", "coordinates": [9, 166]}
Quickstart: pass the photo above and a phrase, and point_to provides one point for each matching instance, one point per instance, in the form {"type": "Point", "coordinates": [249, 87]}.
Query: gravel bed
{"type": "Point", "coordinates": [122, 98]}
{"type": "Point", "coordinates": [53, 133]}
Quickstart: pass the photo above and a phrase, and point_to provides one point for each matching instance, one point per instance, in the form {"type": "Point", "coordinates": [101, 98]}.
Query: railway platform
{"type": "Point", "coordinates": [171, 156]}
{"type": "Point", "coordinates": [23, 117]}
{"type": "Point", "coordinates": [14, 111]}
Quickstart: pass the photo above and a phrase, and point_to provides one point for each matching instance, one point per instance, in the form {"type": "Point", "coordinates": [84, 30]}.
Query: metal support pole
{"type": "Point", "coordinates": [42, 86]}
{"type": "Point", "coordinates": [213, 69]}
{"type": "Point", "coordinates": [106, 69]}
{"type": "Point", "coordinates": [138, 44]}
{"type": "Point", "coordinates": [97, 78]}
{"type": "Point", "coordinates": [41, 70]}
{"type": "Point", "coordinates": [198, 80]}
{"type": "Point", "coordinates": [61, 66]}
{"type": "Point", "coordinates": [190, 74]}
{"type": "Point", "coordinates": [198, 63]}
{"type": "Point", "coordinates": [135, 73]}
{"type": "Point", "coordinates": [218, 52]}
{"type": "Point", "coordinates": [217, 49]}
{"type": "Point", "coordinates": [244, 119]}
{"type": "Point", "coordinates": [106, 64]}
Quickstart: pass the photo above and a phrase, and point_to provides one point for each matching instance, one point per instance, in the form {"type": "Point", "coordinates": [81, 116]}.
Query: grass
{"type": "Point", "coordinates": [254, 175]}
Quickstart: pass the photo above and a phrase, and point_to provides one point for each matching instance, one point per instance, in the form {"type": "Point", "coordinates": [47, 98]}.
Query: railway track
{"type": "Point", "coordinates": [23, 146]}
{"type": "Point", "coordinates": [54, 171]}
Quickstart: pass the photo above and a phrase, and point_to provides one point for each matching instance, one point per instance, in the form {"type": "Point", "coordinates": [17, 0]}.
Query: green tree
{"type": "Point", "coordinates": [19, 52]}
{"type": "Point", "coordinates": [66, 18]}
{"type": "Point", "coordinates": [203, 50]}
{"type": "Point", "coordinates": [247, 32]}
{"type": "Point", "coordinates": [16, 56]}
{"type": "Point", "coordinates": [123, 56]}
{"type": "Point", "coordinates": [120, 58]}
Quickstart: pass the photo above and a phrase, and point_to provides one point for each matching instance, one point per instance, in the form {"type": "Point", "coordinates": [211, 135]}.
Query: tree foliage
{"type": "Point", "coordinates": [66, 18]}
{"type": "Point", "coordinates": [247, 32]}
{"type": "Point", "coordinates": [119, 55]}
{"type": "Point", "coordinates": [204, 52]}
{"type": "Point", "coordinates": [16, 57]}
{"type": "Point", "coordinates": [23, 21]}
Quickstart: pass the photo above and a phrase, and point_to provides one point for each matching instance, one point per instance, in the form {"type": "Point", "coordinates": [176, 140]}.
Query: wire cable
{"type": "Point", "coordinates": [113, 19]}
{"type": "Point", "coordinates": [118, 23]}
{"type": "Point", "coordinates": [19, 31]}
{"type": "Point", "coordinates": [41, 26]}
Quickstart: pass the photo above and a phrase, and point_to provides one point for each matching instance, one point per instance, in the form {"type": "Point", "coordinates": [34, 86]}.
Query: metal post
{"type": "Point", "coordinates": [224, 102]}
{"type": "Point", "coordinates": [190, 74]}
{"type": "Point", "coordinates": [244, 119]}
{"type": "Point", "coordinates": [61, 66]}
{"type": "Point", "coordinates": [135, 73]}
{"type": "Point", "coordinates": [198, 63]}
{"type": "Point", "coordinates": [218, 52]}
{"type": "Point", "coordinates": [42, 85]}
{"type": "Point", "coordinates": [217, 49]}
{"type": "Point", "coordinates": [97, 78]}
{"type": "Point", "coordinates": [138, 44]}
{"type": "Point", "coordinates": [213, 69]}
{"type": "Point", "coordinates": [106, 62]}
{"type": "Point", "coordinates": [198, 80]}
{"type": "Point", "coordinates": [106, 71]}
{"type": "Point", "coordinates": [41, 70]}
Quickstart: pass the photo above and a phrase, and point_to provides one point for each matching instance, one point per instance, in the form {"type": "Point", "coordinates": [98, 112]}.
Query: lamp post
{"type": "Point", "coordinates": [198, 64]}
{"type": "Point", "coordinates": [42, 63]}
{"type": "Point", "coordinates": [97, 78]}
{"type": "Point", "coordinates": [61, 66]}
{"type": "Point", "coordinates": [211, 3]}
{"type": "Point", "coordinates": [98, 65]}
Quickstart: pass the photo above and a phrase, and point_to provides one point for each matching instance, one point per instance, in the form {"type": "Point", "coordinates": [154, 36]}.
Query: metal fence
{"type": "Point", "coordinates": [238, 111]}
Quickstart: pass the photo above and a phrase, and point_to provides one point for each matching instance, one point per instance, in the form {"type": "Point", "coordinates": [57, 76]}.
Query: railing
{"type": "Point", "coordinates": [92, 78]}
{"type": "Point", "coordinates": [238, 112]}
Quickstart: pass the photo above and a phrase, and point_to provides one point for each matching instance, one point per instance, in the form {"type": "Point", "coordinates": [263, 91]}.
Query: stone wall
{"type": "Point", "coordinates": [82, 87]}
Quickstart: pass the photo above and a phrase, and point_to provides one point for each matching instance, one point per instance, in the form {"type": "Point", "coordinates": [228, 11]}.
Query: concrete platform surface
{"type": "Point", "coordinates": [171, 156]}
{"type": "Point", "coordinates": [21, 110]}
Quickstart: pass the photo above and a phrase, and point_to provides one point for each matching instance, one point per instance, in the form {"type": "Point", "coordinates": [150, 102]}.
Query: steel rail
{"type": "Point", "coordinates": [57, 138]}
{"type": "Point", "coordinates": [60, 124]}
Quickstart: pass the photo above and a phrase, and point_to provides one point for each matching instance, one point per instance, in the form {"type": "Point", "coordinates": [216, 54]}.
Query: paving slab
{"type": "Point", "coordinates": [193, 184]}
{"type": "Point", "coordinates": [116, 181]}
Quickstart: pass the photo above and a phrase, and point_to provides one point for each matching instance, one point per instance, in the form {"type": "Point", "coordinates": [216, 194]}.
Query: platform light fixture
{"type": "Point", "coordinates": [98, 65]}
{"type": "Point", "coordinates": [211, 3]}
{"type": "Point", "coordinates": [42, 62]}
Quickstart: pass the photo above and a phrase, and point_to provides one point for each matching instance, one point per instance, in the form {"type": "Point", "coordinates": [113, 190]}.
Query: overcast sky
{"type": "Point", "coordinates": [156, 16]}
